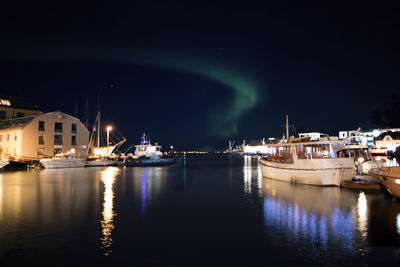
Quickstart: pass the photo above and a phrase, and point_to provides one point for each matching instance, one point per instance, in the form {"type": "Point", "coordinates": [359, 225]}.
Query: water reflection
{"type": "Point", "coordinates": [108, 178]}
{"type": "Point", "coordinates": [252, 176]}
{"type": "Point", "coordinates": [148, 184]}
{"type": "Point", "coordinates": [311, 214]}
{"type": "Point", "coordinates": [362, 214]}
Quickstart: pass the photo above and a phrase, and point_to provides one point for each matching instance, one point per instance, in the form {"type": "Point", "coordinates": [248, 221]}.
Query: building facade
{"type": "Point", "coordinates": [17, 107]}
{"type": "Point", "coordinates": [40, 136]}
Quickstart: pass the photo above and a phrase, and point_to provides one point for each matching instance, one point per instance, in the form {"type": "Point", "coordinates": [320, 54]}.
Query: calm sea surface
{"type": "Point", "coordinates": [216, 209]}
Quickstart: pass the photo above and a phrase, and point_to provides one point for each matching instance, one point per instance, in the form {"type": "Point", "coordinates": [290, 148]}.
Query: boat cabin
{"type": "Point", "coordinates": [285, 153]}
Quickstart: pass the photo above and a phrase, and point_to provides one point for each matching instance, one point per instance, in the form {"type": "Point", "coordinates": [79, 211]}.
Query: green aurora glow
{"type": "Point", "coordinates": [222, 120]}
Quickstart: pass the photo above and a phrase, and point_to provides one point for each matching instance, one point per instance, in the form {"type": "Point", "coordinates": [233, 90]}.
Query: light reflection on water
{"type": "Point", "coordinates": [107, 177]}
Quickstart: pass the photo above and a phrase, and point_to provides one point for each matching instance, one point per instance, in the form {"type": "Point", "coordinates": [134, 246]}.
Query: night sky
{"type": "Point", "coordinates": [195, 74]}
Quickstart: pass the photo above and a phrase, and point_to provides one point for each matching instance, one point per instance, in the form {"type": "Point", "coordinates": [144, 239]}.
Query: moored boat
{"type": "Point", "coordinates": [147, 154]}
{"type": "Point", "coordinates": [313, 163]}
{"type": "Point", "coordinates": [305, 162]}
{"type": "Point", "coordinates": [389, 178]}
{"type": "Point", "coordinates": [63, 160]}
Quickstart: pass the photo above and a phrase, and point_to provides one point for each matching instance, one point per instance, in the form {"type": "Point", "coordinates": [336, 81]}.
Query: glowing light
{"type": "Point", "coordinates": [362, 213]}
{"type": "Point", "coordinates": [361, 160]}
{"type": "Point", "coordinates": [108, 177]}
{"type": "Point", "coordinates": [109, 128]}
{"type": "Point", "coordinates": [397, 181]}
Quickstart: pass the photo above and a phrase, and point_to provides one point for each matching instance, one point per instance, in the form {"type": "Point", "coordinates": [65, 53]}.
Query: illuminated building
{"type": "Point", "coordinates": [35, 137]}
{"type": "Point", "coordinates": [17, 107]}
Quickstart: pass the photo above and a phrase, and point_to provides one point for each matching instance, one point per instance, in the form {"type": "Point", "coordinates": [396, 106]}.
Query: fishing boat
{"type": "Point", "coordinates": [147, 154]}
{"type": "Point", "coordinates": [101, 156]}
{"type": "Point", "coordinates": [63, 160]}
{"type": "Point", "coordinates": [389, 178]}
{"type": "Point", "coordinates": [306, 162]}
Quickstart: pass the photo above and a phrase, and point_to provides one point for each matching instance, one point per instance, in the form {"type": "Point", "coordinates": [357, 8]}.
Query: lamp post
{"type": "Point", "coordinates": [109, 128]}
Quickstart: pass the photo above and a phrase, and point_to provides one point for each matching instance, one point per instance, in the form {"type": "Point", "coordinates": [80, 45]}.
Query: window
{"type": "Point", "coordinates": [57, 151]}
{"type": "Point", "coordinates": [41, 125]}
{"type": "Point", "coordinates": [58, 139]}
{"type": "Point", "coordinates": [1, 138]}
{"type": "Point", "coordinates": [40, 151]}
{"type": "Point", "coordinates": [3, 115]}
{"type": "Point", "coordinates": [73, 140]}
{"type": "Point", "coordinates": [73, 128]}
{"type": "Point", "coordinates": [20, 114]}
{"type": "Point", "coordinates": [8, 137]}
{"type": "Point", "coordinates": [41, 139]}
{"type": "Point", "coordinates": [15, 137]}
{"type": "Point", "coordinates": [58, 127]}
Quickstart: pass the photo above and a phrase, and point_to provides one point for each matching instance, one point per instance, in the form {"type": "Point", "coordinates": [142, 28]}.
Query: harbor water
{"type": "Point", "coordinates": [214, 209]}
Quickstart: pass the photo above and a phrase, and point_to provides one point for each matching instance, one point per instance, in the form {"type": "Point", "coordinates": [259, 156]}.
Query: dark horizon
{"type": "Point", "coordinates": [197, 75]}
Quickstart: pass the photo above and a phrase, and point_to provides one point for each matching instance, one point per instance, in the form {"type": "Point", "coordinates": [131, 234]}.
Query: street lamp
{"type": "Point", "coordinates": [109, 128]}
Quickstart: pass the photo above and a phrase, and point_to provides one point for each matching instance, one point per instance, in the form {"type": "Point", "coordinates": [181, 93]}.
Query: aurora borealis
{"type": "Point", "coordinates": [199, 74]}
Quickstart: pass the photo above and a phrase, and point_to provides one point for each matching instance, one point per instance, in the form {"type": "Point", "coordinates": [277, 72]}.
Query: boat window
{"type": "Point", "coordinates": [319, 151]}
{"type": "Point", "coordinates": [158, 148]}
{"type": "Point", "coordinates": [280, 154]}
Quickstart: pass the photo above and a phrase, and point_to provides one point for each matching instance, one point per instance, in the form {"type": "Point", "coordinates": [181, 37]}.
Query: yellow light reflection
{"type": "Point", "coordinates": [362, 214]}
{"type": "Point", "coordinates": [108, 177]}
{"type": "Point", "coordinates": [247, 174]}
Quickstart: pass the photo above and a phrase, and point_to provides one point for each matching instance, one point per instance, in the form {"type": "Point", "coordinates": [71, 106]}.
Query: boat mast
{"type": "Point", "coordinates": [98, 129]}
{"type": "Point", "coordinates": [287, 129]}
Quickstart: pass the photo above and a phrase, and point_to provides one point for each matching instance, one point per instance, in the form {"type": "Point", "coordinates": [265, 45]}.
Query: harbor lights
{"type": "Point", "coordinates": [109, 128]}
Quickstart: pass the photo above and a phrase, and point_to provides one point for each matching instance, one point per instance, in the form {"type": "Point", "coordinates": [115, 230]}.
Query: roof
{"type": "Point", "coordinates": [394, 135]}
{"type": "Point", "coordinates": [15, 123]}
{"type": "Point", "coordinates": [19, 102]}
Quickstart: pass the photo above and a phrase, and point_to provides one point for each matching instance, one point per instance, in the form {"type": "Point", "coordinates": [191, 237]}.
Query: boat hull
{"type": "Point", "coordinates": [62, 163]}
{"type": "Point", "coordinates": [319, 174]}
{"type": "Point", "coordinates": [101, 163]}
{"type": "Point", "coordinates": [389, 178]}
{"type": "Point", "coordinates": [3, 163]}
{"type": "Point", "coordinates": [144, 162]}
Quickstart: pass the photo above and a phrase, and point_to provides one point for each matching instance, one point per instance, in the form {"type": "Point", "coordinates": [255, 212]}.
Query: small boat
{"type": "Point", "coordinates": [389, 178]}
{"type": "Point", "coordinates": [63, 160]}
{"type": "Point", "coordinates": [147, 154]}
{"type": "Point", "coordinates": [3, 163]}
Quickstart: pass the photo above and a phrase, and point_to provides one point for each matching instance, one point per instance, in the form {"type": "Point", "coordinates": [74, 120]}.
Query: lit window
{"type": "Point", "coordinates": [40, 151]}
{"type": "Point", "coordinates": [15, 137]}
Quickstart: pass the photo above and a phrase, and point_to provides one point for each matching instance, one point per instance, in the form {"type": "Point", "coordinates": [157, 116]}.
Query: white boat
{"type": "Point", "coordinates": [3, 163]}
{"type": "Point", "coordinates": [147, 154]}
{"type": "Point", "coordinates": [363, 160]}
{"type": "Point", "coordinates": [63, 160]}
{"type": "Point", "coordinates": [313, 163]}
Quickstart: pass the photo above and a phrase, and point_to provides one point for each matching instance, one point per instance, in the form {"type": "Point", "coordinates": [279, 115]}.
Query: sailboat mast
{"type": "Point", "coordinates": [287, 129]}
{"type": "Point", "coordinates": [98, 130]}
